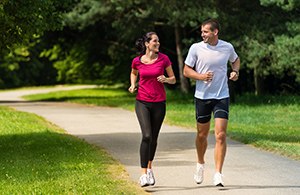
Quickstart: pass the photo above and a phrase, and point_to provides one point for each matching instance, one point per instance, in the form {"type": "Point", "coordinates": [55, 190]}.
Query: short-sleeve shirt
{"type": "Point", "coordinates": [150, 89]}
{"type": "Point", "coordinates": [211, 58]}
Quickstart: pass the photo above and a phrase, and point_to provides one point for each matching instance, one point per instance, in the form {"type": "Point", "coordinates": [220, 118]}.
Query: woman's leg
{"type": "Point", "coordinates": [158, 111]}
{"type": "Point", "coordinates": [144, 118]}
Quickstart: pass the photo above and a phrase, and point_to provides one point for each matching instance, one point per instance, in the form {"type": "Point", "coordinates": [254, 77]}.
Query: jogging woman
{"type": "Point", "coordinates": [150, 106]}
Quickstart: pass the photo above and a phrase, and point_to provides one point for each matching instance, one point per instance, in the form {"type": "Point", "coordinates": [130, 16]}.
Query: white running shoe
{"type": "Point", "coordinates": [218, 180]}
{"type": "Point", "coordinates": [150, 175]}
{"type": "Point", "coordinates": [144, 180]}
{"type": "Point", "coordinates": [198, 176]}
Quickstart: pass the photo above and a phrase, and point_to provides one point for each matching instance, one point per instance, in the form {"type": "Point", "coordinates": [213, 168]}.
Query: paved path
{"type": "Point", "coordinates": [247, 170]}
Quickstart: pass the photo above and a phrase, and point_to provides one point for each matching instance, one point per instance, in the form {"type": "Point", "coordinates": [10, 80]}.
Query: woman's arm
{"type": "Point", "coordinates": [133, 79]}
{"type": "Point", "coordinates": [171, 77]}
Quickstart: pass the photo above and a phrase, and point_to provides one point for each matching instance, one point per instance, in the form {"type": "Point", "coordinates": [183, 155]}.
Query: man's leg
{"type": "Point", "coordinates": [203, 116]}
{"type": "Point", "coordinates": [220, 149]}
{"type": "Point", "coordinates": [201, 140]}
{"type": "Point", "coordinates": [201, 145]}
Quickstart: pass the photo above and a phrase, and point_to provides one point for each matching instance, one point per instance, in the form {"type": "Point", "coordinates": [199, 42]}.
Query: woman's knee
{"type": "Point", "coordinates": [147, 138]}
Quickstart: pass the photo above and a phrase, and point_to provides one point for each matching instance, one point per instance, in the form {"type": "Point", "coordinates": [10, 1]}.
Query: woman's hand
{"type": "Point", "coordinates": [132, 89]}
{"type": "Point", "coordinates": [162, 79]}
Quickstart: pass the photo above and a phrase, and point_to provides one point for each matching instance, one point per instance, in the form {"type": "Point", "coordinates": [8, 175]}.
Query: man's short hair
{"type": "Point", "coordinates": [214, 24]}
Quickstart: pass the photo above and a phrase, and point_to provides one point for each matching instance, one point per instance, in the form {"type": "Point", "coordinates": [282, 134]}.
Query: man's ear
{"type": "Point", "coordinates": [216, 32]}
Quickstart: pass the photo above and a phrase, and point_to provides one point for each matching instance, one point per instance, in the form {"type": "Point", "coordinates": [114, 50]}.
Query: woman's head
{"type": "Point", "coordinates": [143, 42]}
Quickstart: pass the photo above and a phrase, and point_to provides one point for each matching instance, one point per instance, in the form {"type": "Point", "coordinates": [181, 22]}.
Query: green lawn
{"type": "Point", "coordinates": [39, 158]}
{"type": "Point", "coordinates": [270, 123]}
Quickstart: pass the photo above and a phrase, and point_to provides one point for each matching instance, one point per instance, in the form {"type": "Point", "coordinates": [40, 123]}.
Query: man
{"type": "Point", "coordinates": [210, 58]}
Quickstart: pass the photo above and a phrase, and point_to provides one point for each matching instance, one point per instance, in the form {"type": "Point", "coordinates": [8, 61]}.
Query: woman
{"type": "Point", "coordinates": [150, 106]}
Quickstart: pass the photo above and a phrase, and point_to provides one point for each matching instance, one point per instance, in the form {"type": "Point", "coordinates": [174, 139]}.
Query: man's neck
{"type": "Point", "coordinates": [214, 43]}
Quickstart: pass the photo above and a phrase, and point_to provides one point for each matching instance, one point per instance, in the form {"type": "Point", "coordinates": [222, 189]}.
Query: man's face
{"type": "Point", "coordinates": [208, 36]}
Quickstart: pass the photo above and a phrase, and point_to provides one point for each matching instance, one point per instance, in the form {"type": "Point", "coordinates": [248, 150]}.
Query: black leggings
{"type": "Point", "coordinates": [150, 116]}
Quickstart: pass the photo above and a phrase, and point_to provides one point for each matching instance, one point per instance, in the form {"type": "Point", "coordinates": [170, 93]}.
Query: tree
{"type": "Point", "coordinates": [21, 20]}
{"type": "Point", "coordinates": [286, 47]}
{"type": "Point", "coordinates": [183, 16]}
{"type": "Point", "coordinates": [131, 19]}
{"type": "Point", "coordinates": [21, 25]}
{"type": "Point", "coordinates": [266, 36]}
{"type": "Point", "coordinates": [97, 41]}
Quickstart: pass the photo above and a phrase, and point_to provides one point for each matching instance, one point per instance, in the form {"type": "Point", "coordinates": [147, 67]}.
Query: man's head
{"type": "Point", "coordinates": [210, 30]}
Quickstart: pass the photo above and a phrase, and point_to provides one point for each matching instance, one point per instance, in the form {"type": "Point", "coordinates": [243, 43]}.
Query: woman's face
{"type": "Point", "coordinates": [153, 44]}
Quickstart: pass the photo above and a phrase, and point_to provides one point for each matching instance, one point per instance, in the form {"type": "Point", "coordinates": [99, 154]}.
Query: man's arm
{"type": "Point", "coordinates": [235, 69]}
{"type": "Point", "coordinates": [192, 74]}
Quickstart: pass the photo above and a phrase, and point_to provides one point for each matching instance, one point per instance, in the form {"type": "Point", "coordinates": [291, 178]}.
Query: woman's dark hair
{"type": "Point", "coordinates": [140, 43]}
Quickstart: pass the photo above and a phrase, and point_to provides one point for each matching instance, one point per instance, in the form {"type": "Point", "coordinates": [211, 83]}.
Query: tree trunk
{"type": "Point", "coordinates": [184, 83]}
{"type": "Point", "coordinates": [259, 83]}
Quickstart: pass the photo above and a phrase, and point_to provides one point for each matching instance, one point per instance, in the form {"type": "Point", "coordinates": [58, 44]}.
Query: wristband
{"type": "Point", "coordinates": [237, 72]}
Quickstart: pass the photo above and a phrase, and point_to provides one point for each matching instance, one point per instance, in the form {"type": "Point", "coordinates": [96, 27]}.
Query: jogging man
{"type": "Point", "coordinates": [210, 58]}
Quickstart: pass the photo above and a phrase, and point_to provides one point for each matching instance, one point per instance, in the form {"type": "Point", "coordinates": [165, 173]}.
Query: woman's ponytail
{"type": "Point", "coordinates": [140, 46]}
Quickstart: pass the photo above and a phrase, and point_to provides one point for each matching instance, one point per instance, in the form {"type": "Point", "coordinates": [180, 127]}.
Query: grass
{"type": "Point", "coordinates": [101, 96]}
{"type": "Point", "coordinates": [38, 87]}
{"type": "Point", "coordinates": [38, 158]}
{"type": "Point", "coordinates": [270, 123]}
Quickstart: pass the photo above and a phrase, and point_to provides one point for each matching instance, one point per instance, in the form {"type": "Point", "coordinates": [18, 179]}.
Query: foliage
{"type": "Point", "coordinates": [285, 5]}
{"type": "Point", "coordinates": [11, 64]}
{"type": "Point", "coordinates": [21, 20]}
{"type": "Point", "coordinates": [96, 44]}
{"type": "Point", "coordinates": [23, 67]}
{"type": "Point", "coordinates": [21, 25]}
{"type": "Point", "coordinates": [260, 37]}
{"type": "Point", "coordinates": [266, 39]}
{"type": "Point", "coordinates": [118, 24]}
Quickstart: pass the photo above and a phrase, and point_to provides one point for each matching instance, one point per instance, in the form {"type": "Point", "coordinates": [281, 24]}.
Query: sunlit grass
{"type": "Point", "coordinates": [271, 123]}
{"type": "Point", "coordinates": [38, 158]}
{"type": "Point", "coordinates": [112, 97]}
{"type": "Point", "coordinates": [270, 127]}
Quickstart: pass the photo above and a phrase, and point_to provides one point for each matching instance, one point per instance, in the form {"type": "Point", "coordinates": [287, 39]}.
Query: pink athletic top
{"type": "Point", "coordinates": [150, 89]}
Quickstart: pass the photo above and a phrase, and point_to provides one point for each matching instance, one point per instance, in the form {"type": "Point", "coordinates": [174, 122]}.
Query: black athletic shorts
{"type": "Point", "coordinates": [204, 108]}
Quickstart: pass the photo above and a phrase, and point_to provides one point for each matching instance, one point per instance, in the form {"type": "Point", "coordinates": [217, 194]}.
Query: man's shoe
{"type": "Point", "coordinates": [150, 175]}
{"type": "Point", "coordinates": [218, 180]}
{"type": "Point", "coordinates": [144, 180]}
{"type": "Point", "coordinates": [198, 176]}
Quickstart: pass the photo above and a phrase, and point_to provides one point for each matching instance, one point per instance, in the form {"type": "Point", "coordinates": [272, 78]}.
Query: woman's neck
{"type": "Point", "coordinates": [149, 57]}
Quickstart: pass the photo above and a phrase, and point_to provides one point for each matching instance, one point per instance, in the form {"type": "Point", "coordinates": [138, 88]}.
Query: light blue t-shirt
{"type": "Point", "coordinates": [211, 58]}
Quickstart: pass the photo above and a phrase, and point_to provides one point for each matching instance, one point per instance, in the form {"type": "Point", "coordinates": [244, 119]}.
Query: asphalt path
{"type": "Point", "coordinates": [247, 170]}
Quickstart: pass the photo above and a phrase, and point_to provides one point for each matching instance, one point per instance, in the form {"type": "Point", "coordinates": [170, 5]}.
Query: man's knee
{"type": "Point", "coordinates": [220, 137]}
{"type": "Point", "coordinates": [201, 136]}
{"type": "Point", "coordinates": [202, 131]}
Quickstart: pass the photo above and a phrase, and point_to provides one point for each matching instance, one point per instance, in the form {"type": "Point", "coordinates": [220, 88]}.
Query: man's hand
{"type": "Point", "coordinates": [208, 76]}
{"type": "Point", "coordinates": [233, 76]}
